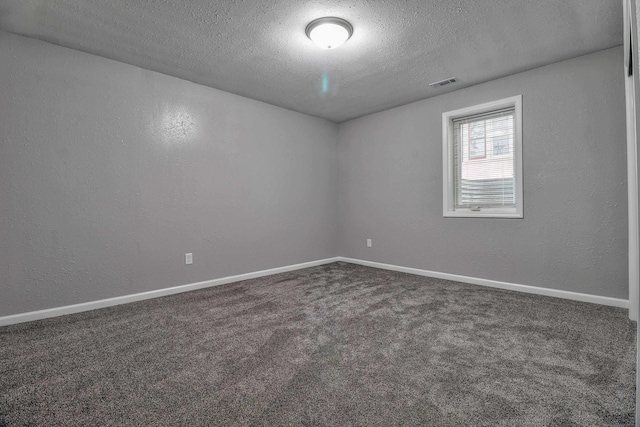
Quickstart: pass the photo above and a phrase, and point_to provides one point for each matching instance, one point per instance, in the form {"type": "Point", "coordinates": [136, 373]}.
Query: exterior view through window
{"type": "Point", "coordinates": [485, 163]}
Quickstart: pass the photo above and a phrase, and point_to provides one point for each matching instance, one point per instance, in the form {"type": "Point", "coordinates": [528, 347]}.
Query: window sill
{"type": "Point", "coordinates": [483, 214]}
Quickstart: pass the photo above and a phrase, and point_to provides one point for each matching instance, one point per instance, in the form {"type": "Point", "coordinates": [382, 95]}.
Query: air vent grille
{"type": "Point", "coordinates": [443, 82]}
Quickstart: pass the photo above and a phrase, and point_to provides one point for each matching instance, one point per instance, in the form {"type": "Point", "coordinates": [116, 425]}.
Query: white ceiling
{"type": "Point", "coordinates": [259, 49]}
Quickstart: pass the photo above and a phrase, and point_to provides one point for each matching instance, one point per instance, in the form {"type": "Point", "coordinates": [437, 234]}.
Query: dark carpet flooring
{"type": "Point", "coordinates": [338, 345]}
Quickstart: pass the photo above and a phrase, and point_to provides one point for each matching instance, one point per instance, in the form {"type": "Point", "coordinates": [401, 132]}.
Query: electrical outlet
{"type": "Point", "coordinates": [369, 243]}
{"type": "Point", "coordinates": [188, 259]}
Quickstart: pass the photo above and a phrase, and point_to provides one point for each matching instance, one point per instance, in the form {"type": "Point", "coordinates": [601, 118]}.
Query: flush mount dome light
{"type": "Point", "coordinates": [329, 32]}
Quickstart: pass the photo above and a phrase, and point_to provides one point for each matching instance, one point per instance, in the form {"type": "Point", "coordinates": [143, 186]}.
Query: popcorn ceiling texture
{"type": "Point", "coordinates": [259, 49]}
{"type": "Point", "coordinates": [336, 345]}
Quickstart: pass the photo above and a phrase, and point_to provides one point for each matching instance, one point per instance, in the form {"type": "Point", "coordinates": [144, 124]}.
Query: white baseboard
{"type": "Point", "coordinates": [595, 299]}
{"type": "Point", "coordinates": [92, 305]}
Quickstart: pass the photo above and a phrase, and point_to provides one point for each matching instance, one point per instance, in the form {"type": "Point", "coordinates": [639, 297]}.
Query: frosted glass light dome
{"type": "Point", "coordinates": [329, 32]}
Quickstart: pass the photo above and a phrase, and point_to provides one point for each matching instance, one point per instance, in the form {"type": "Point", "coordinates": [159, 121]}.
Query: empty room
{"type": "Point", "coordinates": [324, 213]}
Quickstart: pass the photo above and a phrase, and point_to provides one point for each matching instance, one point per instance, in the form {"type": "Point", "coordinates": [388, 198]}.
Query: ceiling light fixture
{"type": "Point", "coordinates": [329, 32]}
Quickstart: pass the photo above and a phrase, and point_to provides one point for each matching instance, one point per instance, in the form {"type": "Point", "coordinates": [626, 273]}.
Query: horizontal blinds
{"type": "Point", "coordinates": [484, 160]}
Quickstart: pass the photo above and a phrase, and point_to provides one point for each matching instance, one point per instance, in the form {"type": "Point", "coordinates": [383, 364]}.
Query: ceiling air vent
{"type": "Point", "coordinates": [443, 82]}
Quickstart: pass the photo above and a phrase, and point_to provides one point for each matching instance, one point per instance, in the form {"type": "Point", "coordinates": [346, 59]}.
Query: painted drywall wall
{"type": "Point", "coordinates": [109, 174]}
{"type": "Point", "coordinates": [573, 235]}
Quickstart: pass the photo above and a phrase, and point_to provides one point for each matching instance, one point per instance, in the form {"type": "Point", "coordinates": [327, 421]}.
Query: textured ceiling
{"type": "Point", "coordinates": [259, 49]}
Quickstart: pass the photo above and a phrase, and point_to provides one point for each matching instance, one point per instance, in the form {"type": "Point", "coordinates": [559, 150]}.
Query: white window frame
{"type": "Point", "coordinates": [448, 158]}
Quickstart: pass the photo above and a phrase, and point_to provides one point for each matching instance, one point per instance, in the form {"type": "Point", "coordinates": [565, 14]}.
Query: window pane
{"type": "Point", "coordinates": [484, 161]}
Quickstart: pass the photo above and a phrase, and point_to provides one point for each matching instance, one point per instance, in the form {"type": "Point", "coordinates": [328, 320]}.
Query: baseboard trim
{"type": "Point", "coordinates": [109, 302]}
{"type": "Point", "coordinates": [576, 296]}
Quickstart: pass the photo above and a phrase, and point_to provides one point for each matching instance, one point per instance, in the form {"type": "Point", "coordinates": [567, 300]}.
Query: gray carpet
{"type": "Point", "coordinates": [339, 345]}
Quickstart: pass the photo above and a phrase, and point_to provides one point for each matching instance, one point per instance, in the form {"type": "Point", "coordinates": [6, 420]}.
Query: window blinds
{"type": "Point", "coordinates": [484, 160]}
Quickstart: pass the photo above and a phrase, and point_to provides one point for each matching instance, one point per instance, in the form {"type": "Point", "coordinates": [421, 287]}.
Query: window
{"type": "Point", "coordinates": [482, 160]}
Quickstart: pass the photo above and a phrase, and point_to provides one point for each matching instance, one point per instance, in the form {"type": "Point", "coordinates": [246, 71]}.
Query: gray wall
{"type": "Point", "coordinates": [574, 233]}
{"type": "Point", "coordinates": [110, 173]}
